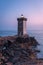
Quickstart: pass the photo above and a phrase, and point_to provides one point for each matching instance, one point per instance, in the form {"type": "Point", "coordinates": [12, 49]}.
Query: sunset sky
{"type": "Point", "coordinates": [11, 9]}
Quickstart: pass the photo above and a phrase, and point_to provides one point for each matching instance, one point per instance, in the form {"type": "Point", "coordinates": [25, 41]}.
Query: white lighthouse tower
{"type": "Point", "coordinates": [22, 25]}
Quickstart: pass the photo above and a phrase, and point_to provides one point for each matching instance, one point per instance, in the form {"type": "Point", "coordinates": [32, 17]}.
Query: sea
{"type": "Point", "coordinates": [38, 34]}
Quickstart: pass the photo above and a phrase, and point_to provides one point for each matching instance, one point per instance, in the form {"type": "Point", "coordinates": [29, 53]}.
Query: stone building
{"type": "Point", "coordinates": [22, 25]}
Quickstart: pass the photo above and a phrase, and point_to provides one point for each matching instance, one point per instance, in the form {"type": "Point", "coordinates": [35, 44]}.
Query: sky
{"type": "Point", "coordinates": [10, 10]}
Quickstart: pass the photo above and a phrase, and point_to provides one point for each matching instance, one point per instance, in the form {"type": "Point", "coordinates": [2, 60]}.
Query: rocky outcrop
{"type": "Point", "coordinates": [19, 51]}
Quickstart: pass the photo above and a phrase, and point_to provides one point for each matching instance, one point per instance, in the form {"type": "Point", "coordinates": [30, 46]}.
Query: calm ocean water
{"type": "Point", "coordinates": [38, 34]}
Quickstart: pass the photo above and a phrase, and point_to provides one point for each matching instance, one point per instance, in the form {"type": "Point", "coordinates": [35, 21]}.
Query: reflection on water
{"type": "Point", "coordinates": [38, 34]}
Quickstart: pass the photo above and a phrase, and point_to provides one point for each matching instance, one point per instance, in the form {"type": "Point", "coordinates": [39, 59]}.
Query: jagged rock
{"type": "Point", "coordinates": [18, 51]}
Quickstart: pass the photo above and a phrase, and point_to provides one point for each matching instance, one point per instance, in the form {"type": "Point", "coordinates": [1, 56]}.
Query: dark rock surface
{"type": "Point", "coordinates": [19, 51]}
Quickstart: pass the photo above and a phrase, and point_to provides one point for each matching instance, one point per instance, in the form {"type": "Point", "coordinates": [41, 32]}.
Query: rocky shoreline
{"type": "Point", "coordinates": [16, 50]}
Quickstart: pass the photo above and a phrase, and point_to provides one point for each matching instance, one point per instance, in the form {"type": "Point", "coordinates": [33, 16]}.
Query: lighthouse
{"type": "Point", "coordinates": [22, 25]}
